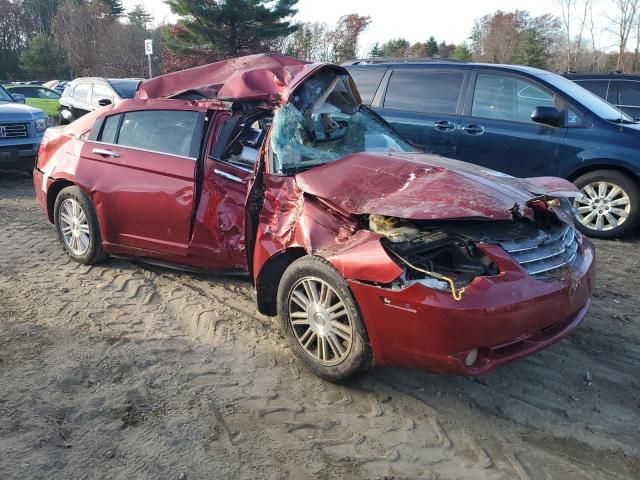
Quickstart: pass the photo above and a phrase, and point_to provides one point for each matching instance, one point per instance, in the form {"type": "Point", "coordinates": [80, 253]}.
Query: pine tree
{"type": "Point", "coordinates": [232, 27]}
{"type": "Point", "coordinates": [139, 17]}
{"type": "Point", "coordinates": [432, 47]}
{"type": "Point", "coordinates": [114, 6]}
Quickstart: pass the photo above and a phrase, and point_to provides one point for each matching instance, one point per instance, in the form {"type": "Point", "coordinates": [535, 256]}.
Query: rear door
{"type": "Point", "coordinates": [424, 105]}
{"type": "Point", "coordinates": [142, 165]}
{"type": "Point", "coordinates": [496, 130]}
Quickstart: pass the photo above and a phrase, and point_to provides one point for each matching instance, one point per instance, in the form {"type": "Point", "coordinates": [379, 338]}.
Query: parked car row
{"type": "Point", "coordinates": [367, 249]}
{"type": "Point", "coordinates": [518, 120]}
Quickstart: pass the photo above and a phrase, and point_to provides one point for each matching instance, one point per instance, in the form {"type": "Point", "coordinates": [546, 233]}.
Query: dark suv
{"type": "Point", "coordinates": [85, 95]}
{"type": "Point", "coordinates": [519, 120]}
{"type": "Point", "coordinates": [619, 89]}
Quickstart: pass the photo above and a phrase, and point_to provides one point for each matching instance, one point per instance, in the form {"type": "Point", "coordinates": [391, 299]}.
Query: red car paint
{"type": "Point", "coordinates": [157, 206]}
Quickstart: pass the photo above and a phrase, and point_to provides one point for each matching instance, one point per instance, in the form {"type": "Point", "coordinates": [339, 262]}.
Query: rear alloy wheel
{"type": "Point", "coordinates": [321, 320]}
{"type": "Point", "coordinates": [77, 225]}
{"type": "Point", "coordinates": [609, 206]}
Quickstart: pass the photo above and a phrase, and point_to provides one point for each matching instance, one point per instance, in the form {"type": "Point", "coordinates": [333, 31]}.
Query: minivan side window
{"type": "Point", "coordinates": [599, 87]}
{"type": "Point", "coordinates": [367, 80]}
{"type": "Point", "coordinates": [424, 91]}
{"type": "Point", "coordinates": [503, 97]}
{"type": "Point", "coordinates": [629, 93]}
{"type": "Point", "coordinates": [161, 131]}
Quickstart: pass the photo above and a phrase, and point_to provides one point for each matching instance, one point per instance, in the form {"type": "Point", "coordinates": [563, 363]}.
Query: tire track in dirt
{"type": "Point", "coordinates": [156, 373]}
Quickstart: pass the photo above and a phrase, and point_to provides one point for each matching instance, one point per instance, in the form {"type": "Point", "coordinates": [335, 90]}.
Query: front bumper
{"type": "Point", "coordinates": [18, 157]}
{"type": "Point", "coordinates": [505, 317]}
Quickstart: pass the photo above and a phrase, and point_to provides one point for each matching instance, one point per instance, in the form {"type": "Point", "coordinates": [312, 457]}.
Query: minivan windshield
{"type": "Point", "coordinates": [590, 100]}
{"type": "Point", "coordinates": [323, 122]}
{"type": "Point", "coordinates": [4, 96]}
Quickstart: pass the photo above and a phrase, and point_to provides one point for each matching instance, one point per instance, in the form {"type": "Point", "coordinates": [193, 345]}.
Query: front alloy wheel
{"type": "Point", "coordinates": [608, 207]}
{"type": "Point", "coordinates": [321, 320]}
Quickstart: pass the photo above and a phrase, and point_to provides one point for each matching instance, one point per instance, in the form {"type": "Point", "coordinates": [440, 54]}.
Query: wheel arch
{"type": "Point", "coordinates": [269, 279]}
{"type": "Point", "coordinates": [53, 192]}
{"type": "Point", "coordinates": [603, 165]}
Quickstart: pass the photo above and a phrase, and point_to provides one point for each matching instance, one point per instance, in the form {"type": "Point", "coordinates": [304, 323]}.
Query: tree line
{"type": "Point", "coordinates": [44, 39]}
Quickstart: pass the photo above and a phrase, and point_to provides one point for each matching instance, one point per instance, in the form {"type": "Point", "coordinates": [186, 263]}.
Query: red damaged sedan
{"type": "Point", "coordinates": [368, 251]}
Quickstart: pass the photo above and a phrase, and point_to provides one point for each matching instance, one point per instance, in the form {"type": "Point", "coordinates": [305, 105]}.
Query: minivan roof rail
{"type": "Point", "coordinates": [373, 60]}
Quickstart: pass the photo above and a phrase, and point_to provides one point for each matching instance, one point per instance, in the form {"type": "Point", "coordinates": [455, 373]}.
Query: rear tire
{"type": "Point", "coordinates": [77, 226]}
{"type": "Point", "coordinates": [611, 204]}
{"type": "Point", "coordinates": [321, 320]}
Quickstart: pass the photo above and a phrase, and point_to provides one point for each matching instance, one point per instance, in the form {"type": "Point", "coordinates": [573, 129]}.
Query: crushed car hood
{"type": "Point", "coordinates": [254, 77]}
{"type": "Point", "coordinates": [421, 187]}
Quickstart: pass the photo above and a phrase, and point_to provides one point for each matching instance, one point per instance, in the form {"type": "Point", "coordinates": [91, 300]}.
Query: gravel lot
{"type": "Point", "coordinates": [135, 372]}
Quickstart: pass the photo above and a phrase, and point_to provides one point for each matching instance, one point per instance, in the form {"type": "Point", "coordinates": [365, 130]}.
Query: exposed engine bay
{"type": "Point", "coordinates": [445, 255]}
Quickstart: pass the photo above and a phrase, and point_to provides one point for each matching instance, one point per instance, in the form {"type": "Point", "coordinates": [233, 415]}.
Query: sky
{"type": "Point", "coordinates": [415, 20]}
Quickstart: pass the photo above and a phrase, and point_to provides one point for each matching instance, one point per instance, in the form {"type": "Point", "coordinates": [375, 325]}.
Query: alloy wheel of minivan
{"type": "Point", "coordinates": [608, 207]}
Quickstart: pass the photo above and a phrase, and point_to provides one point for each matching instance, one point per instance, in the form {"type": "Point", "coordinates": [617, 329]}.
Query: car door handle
{"type": "Point", "coordinates": [444, 125]}
{"type": "Point", "coordinates": [473, 129]}
{"type": "Point", "coordinates": [228, 176]}
{"type": "Point", "coordinates": [105, 153]}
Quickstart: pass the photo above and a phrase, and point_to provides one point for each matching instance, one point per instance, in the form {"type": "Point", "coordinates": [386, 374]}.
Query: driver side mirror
{"type": "Point", "coordinates": [103, 102]}
{"type": "Point", "coordinates": [18, 97]}
{"type": "Point", "coordinates": [550, 116]}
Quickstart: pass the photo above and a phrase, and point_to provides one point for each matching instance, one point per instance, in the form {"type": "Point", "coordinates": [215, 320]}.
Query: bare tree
{"type": "Point", "coordinates": [622, 24]}
{"type": "Point", "coordinates": [574, 10]}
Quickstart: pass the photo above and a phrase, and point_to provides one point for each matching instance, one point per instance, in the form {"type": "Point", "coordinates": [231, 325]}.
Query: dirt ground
{"type": "Point", "coordinates": [126, 371]}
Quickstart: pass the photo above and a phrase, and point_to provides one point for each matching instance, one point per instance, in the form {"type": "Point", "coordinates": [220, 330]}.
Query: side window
{"type": "Point", "coordinates": [599, 87]}
{"type": "Point", "coordinates": [100, 92]}
{"type": "Point", "coordinates": [82, 92]}
{"type": "Point", "coordinates": [629, 93]}
{"type": "Point", "coordinates": [110, 129]}
{"type": "Point", "coordinates": [424, 91]}
{"type": "Point", "coordinates": [162, 131]}
{"type": "Point", "coordinates": [503, 97]}
{"type": "Point", "coordinates": [367, 80]}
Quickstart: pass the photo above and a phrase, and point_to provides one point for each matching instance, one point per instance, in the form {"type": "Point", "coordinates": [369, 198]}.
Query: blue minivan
{"type": "Point", "coordinates": [518, 120]}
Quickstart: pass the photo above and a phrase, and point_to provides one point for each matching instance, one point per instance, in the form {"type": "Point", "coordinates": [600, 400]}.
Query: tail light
{"type": "Point", "coordinates": [41, 148]}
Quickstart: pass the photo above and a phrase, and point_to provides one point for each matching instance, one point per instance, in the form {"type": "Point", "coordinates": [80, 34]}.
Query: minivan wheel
{"type": "Point", "coordinates": [77, 225]}
{"type": "Point", "coordinates": [321, 320]}
{"type": "Point", "coordinates": [610, 206]}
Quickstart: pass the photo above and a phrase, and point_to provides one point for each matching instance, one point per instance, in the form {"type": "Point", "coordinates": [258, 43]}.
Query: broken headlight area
{"type": "Point", "coordinates": [435, 258]}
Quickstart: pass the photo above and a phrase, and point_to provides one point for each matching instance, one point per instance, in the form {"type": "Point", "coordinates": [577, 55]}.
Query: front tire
{"type": "Point", "coordinates": [77, 226]}
{"type": "Point", "coordinates": [321, 320]}
{"type": "Point", "coordinates": [610, 207]}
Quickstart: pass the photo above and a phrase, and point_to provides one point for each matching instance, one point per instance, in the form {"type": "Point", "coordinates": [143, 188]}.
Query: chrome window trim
{"type": "Point", "coordinates": [142, 150]}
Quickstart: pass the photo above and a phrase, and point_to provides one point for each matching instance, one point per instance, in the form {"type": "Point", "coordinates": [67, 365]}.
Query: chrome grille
{"type": "Point", "coordinates": [545, 252]}
{"type": "Point", "coordinates": [13, 130]}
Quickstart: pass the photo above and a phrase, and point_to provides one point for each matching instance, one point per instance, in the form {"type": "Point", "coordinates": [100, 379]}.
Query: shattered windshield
{"type": "Point", "coordinates": [324, 122]}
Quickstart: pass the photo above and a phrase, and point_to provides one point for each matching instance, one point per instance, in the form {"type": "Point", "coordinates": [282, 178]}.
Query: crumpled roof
{"type": "Point", "coordinates": [254, 77]}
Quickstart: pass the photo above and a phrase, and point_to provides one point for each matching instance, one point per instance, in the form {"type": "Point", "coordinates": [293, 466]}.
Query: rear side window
{"type": "Point", "coordinates": [629, 93]}
{"type": "Point", "coordinates": [424, 91]}
{"type": "Point", "coordinates": [162, 131]}
{"type": "Point", "coordinates": [110, 129]}
{"type": "Point", "coordinates": [367, 80]}
{"type": "Point", "coordinates": [599, 87]}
